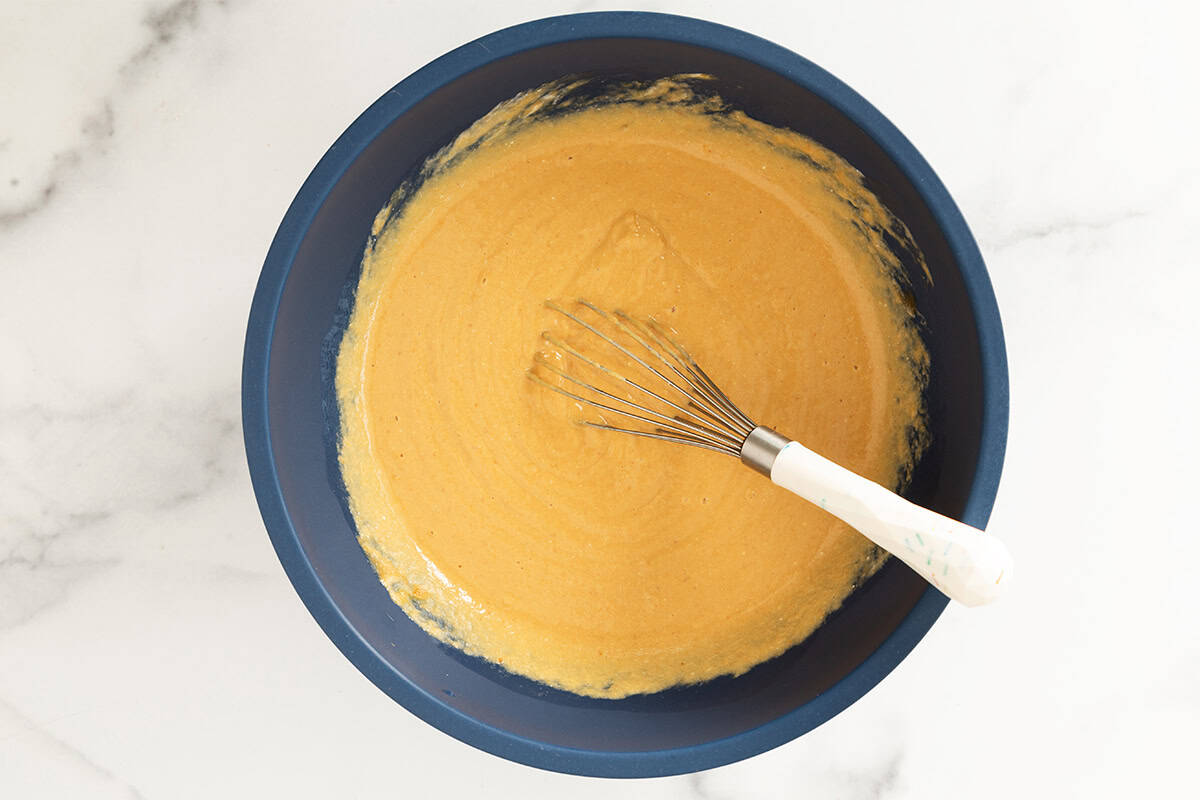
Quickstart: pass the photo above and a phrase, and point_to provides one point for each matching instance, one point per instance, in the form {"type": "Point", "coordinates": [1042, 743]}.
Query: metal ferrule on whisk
{"type": "Point", "coordinates": [761, 448]}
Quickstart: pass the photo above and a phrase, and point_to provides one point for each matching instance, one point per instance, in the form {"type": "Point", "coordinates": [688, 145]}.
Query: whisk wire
{"type": "Point", "coordinates": [676, 438]}
{"type": "Point", "coordinates": [712, 407]}
{"type": "Point", "coordinates": [614, 343]}
{"type": "Point", "coordinates": [660, 421]}
{"type": "Point", "coordinates": [563, 347]}
{"type": "Point", "coordinates": [706, 417]}
{"type": "Point", "coordinates": [712, 390]}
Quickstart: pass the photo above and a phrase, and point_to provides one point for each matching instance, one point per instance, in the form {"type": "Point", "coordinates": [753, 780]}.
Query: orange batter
{"type": "Point", "coordinates": [591, 561]}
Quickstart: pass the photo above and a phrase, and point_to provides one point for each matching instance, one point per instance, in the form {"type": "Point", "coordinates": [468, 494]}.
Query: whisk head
{"type": "Point", "coordinates": [658, 392]}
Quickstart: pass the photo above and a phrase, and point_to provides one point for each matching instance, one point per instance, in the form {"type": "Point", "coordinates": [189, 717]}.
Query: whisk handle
{"type": "Point", "coordinates": [962, 562]}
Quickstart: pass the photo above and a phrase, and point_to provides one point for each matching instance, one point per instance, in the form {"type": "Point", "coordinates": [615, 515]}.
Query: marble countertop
{"type": "Point", "coordinates": [150, 645]}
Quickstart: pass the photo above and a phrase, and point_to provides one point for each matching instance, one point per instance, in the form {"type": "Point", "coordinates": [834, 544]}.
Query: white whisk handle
{"type": "Point", "coordinates": [962, 562]}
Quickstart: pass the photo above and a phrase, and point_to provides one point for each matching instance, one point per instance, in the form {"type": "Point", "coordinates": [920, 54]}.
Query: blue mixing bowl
{"type": "Point", "coordinates": [289, 419]}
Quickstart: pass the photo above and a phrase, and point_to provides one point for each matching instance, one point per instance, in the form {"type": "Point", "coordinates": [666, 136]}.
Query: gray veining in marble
{"type": "Point", "coordinates": [98, 126]}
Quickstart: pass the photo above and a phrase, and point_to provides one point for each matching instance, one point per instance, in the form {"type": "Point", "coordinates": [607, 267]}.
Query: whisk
{"type": "Point", "coordinates": [676, 401]}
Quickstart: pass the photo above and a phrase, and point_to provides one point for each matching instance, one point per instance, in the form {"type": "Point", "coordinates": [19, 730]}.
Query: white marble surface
{"type": "Point", "coordinates": [150, 645]}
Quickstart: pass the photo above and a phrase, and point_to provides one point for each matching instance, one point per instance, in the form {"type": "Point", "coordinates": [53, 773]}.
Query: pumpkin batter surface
{"type": "Point", "coordinates": [591, 561]}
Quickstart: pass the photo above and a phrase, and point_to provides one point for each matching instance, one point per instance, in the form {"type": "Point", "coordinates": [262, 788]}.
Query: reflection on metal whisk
{"type": "Point", "coordinates": [702, 415]}
{"type": "Point", "coordinates": [676, 401]}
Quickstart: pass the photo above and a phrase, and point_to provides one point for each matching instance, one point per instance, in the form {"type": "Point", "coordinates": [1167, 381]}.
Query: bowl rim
{"type": "Point", "coordinates": [277, 266]}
